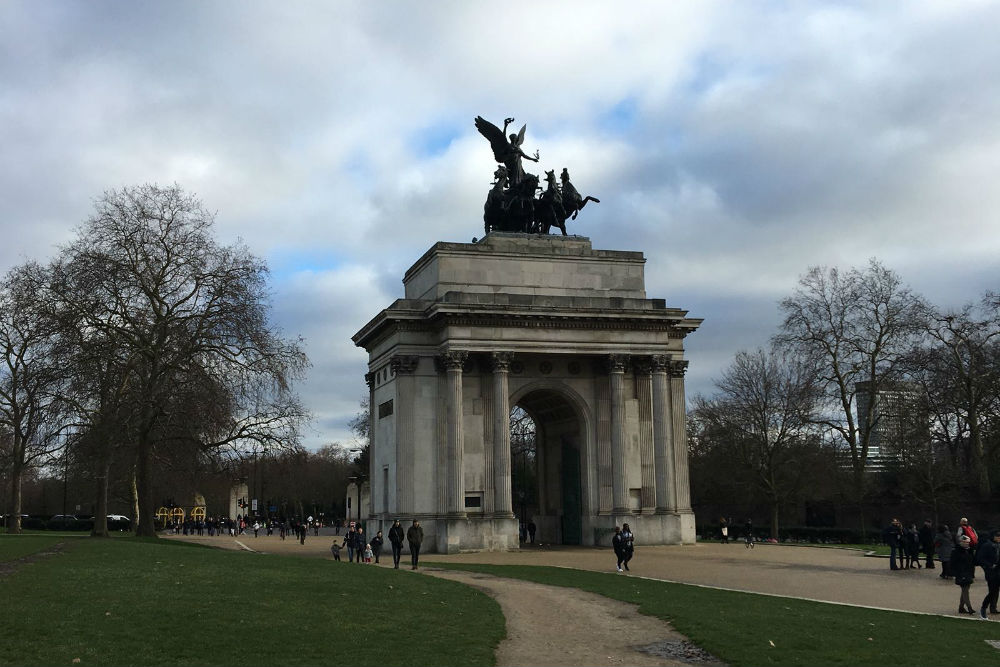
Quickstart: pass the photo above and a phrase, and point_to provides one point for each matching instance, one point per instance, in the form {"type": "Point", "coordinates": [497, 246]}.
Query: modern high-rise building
{"type": "Point", "coordinates": [900, 419]}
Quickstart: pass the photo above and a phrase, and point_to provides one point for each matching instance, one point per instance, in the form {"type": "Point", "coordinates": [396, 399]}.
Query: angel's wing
{"type": "Point", "coordinates": [494, 135]}
{"type": "Point", "coordinates": [520, 135]}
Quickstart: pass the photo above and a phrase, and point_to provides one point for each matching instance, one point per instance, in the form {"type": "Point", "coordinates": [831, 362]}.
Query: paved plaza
{"type": "Point", "coordinates": [825, 574]}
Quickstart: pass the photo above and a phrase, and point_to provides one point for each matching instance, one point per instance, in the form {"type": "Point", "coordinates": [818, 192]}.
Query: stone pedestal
{"type": "Point", "coordinates": [564, 331]}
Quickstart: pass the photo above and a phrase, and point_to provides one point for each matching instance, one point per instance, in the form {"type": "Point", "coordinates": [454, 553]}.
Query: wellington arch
{"type": "Point", "coordinates": [566, 333]}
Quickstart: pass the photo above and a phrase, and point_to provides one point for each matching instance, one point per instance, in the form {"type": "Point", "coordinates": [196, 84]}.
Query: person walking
{"type": "Point", "coordinates": [531, 531]}
{"type": "Point", "coordinates": [965, 528]}
{"type": "Point", "coordinates": [376, 544]}
{"type": "Point", "coordinates": [629, 544]}
{"type": "Point", "coordinates": [988, 558]}
{"type": "Point", "coordinates": [963, 566]}
{"type": "Point", "coordinates": [396, 540]}
{"type": "Point", "coordinates": [927, 543]}
{"type": "Point", "coordinates": [893, 535]}
{"type": "Point", "coordinates": [335, 549]}
{"type": "Point", "coordinates": [944, 544]}
{"type": "Point", "coordinates": [911, 542]}
{"type": "Point", "coordinates": [748, 534]}
{"type": "Point", "coordinates": [618, 544]}
{"type": "Point", "coordinates": [724, 530]}
{"type": "Point", "coordinates": [359, 543]}
{"type": "Point", "coordinates": [349, 543]}
{"type": "Point", "coordinates": [414, 536]}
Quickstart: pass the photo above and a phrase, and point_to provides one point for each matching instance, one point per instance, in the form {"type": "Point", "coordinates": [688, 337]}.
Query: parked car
{"type": "Point", "coordinates": [63, 517]}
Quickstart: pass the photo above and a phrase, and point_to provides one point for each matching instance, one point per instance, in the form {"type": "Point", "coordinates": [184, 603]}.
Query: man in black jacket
{"type": "Point", "coordinates": [415, 535]}
{"type": "Point", "coordinates": [988, 558]}
{"type": "Point", "coordinates": [396, 540]}
{"type": "Point", "coordinates": [927, 543]}
{"type": "Point", "coordinates": [892, 536]}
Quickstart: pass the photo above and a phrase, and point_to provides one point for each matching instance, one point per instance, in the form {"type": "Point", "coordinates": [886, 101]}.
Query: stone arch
{"type": "Point", "coordinates": [563, 458]}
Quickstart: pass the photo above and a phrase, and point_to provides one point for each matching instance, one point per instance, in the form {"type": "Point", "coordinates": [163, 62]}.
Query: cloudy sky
{"type": "Point", "coordinates": [735, 144]}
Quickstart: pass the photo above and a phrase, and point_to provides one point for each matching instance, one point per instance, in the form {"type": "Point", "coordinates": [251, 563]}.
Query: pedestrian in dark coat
{"type": "Point", "coordinates": [359, 544]}
{"type": "Point", "coordinates": [912, 541]}
{"type": "Point", "coordinates": [629, 544]}
{"type": "Point", "coordinates": [893, 536]}
{"type": "Point", "coordinates": [414, 536]}
{"type": "Point", "coordinates": [376, 544]}
{"type": "Point", "coordinates": [396, 540]}
{"type": "Point", "coordinates": [988, 558]}
{"type": "Point", "coordinates": [963, 566]}
{"type": "Point", "coordinates": [350, 543]}
{"type": "Point", "coordinates": [927, 543]}
{"type": "Point", "coordinates": [944, 544]}
{"type": "Point", "coordinates": [618, 544]}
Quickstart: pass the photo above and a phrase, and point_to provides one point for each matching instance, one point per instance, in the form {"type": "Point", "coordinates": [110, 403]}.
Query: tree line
{"type": "Point", "coordinates": [868, 395]}
{"type": "Point", "coordinates": [145, 345]}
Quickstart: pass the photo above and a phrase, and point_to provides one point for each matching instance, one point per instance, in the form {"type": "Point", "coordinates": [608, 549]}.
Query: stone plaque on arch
{"type": "Point", "coordinates": [565, 332]}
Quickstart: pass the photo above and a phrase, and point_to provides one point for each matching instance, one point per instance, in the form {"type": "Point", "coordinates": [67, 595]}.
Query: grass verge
{"type": "Point", "coordinates": [753, 629]}
{"type": "Point", "coordinates": [150, 602]}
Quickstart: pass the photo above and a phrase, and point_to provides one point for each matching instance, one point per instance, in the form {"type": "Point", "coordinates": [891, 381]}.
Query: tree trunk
{"type": "Point", "coordinates": [144, 491]}
{"type": "Point", "coordinates": [979, 457]}
{"type": "Point", "coordinates": [14, 524]}
{"type": "Point", "coordinates": [134, 492]}
{"type": "Point", "coordinates": [101, 514]}
{"type": "Point", "coordinates": [774, 519]}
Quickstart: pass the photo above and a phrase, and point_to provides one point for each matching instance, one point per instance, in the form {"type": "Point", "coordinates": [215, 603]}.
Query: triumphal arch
{"type": "Point", "coordinates": [565, 332]}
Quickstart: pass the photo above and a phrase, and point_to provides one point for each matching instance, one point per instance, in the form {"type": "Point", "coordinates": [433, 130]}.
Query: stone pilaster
{"type": "Point", "coordinates": [663, 437]}
{"type": "Point", "coordinates": [402, 368]}
{"type": "Point", "coordinates": [643, 392]}
{"type": "Point", "coordinates": [603, 400]}
{"type": "Point", "coordinates": [678, 413]}
{"type": "Point", "coordinates": [453, 361]}
{"type": "Point", "coordinates": [501, 436]}
{"type": "Point", "coordinates": [617, 363]}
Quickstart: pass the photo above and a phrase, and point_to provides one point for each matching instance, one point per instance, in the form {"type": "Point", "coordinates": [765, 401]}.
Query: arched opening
{"type": "Point", "coordinates": [545, 466]}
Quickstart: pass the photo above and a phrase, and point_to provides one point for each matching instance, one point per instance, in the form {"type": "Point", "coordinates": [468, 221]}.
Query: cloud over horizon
{"type": "Point", "coordinates": [734, 144]}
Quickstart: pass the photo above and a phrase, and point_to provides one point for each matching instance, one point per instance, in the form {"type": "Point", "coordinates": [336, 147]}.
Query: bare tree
{"type": "Point", "coordinates": [31, 380]}
{"type": "Point", "coordinates": [764, 413]}
{"type": "Point", "coordinates": [205, 366]}
{"type": "Point", "coordinates": [966, 342]}
{"type": "Point", "coordinates": [853, 328]}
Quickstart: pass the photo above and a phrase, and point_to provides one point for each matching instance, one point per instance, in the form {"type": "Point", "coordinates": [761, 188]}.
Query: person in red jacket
{"type": "Point", "coordinates": [965, 528]}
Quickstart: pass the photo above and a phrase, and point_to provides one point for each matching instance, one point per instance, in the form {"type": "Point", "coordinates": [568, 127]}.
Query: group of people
{"type": "Point", "coordinates": [959, 554]}
{"type": "Point", "coordinates": [361, 551]}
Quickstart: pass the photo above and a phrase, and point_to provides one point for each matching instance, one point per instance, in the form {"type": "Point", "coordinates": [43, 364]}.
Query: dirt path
{"type": "Point", "coordinates": [550, 625]}
{"type": "Point", "coordinates": [11, 566]}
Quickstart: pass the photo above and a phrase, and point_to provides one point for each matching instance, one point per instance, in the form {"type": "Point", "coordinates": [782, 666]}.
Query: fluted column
{"type": "Point", "coordinates": [402, 367]}
{"type": "Point", "coordinates": [663, 437]}
{"type": "Point", "coordinates": [682, 484]}
{"type": "Point", "coordinates": [453, 361]}
{"type": "Point", "coordinates": [619, 490]}
{"type": "Point", "coordinates": [643, 393]}
{"type": "Point", "coordinates": [370, 381]}
{"type": "Point", "coordinates": [502, 506]}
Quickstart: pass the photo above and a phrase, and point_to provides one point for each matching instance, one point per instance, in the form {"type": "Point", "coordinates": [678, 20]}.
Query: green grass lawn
{"type": "Point", "coordinates": [15, 546]}
{"type": "Point", "coordinates": [751, 629]}
{"type": "Point", "coordinates": [151, 602]}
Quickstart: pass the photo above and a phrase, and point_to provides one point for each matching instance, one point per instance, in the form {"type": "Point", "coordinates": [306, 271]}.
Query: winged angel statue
{"type": "Point", "coordinates": [511, 205]}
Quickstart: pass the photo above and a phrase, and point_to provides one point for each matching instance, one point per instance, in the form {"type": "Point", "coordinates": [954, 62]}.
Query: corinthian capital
{"type": "Point", "coordinates": [500, 361]}
{"type": "Point", "coordinates": [453, 359]}
{"type": "Point", "coordinates": [616, 363]}
{"type": "Point", "coordinates": [678, 368]}
{"type": "Point", "coordinates": [660, 363]}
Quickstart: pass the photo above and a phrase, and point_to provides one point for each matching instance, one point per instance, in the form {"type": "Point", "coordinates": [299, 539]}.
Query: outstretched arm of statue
{"type": "Point", "coordinates": [528, 157]}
